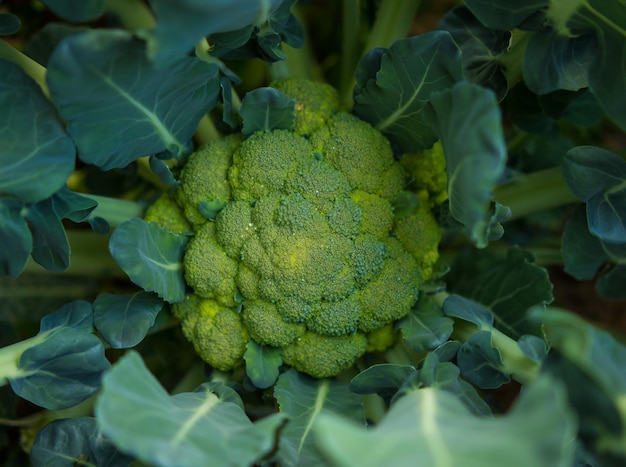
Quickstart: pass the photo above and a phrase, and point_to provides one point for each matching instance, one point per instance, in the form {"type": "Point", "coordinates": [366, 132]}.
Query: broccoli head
{"type": "Point", "coordinates": [305, 253]}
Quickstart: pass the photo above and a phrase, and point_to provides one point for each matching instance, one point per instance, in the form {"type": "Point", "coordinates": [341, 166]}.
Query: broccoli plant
{"type": "Point", "coordinates": [312, 233]}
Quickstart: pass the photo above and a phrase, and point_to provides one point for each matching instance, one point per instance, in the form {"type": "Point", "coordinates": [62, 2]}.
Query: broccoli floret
{"type": "Point", "coordinates": [306, 253]}
{"type": "Point", "coordinates": [315, 102]}
{"type": "Point", "coordinates": [427, 174]}
{"type": "Point", "coordinates": [323, 356]}
{"type": "Point", "coordinates": [382, 338]}
{"type": "Point", "coordinates": [167, 214]}
{"type": "Point", "coordinates": [217, 332]}
{"type": "Point", "coordinates": [204, 177]}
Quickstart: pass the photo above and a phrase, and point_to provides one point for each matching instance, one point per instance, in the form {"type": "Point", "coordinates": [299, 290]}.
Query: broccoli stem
{"type": "Point", "coordinates": [133, 14]}
{"type": "Point", "coordinates": [535, 192]}
{"type": "Point", "coordinates": [393, 22]}
{"type": "Point", "coordinates": [30, 67]}
{"type": "Point", "coordinates": [115, 210]}
{"type": "Point", "coordinates": [350, 48]}
{"type": "Point", "coordinates": [10, 357]}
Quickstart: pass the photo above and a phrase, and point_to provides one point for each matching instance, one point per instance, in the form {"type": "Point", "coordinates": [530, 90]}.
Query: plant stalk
{"type": "Point", "coordinates": [30, 66]}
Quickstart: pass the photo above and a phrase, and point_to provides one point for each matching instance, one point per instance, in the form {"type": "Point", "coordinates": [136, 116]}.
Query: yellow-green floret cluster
{"type": "Point", "coordinates": [294, 241]}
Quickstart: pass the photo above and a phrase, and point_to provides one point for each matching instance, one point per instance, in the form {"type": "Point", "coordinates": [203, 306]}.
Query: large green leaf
{"type": "Point", "coordinates": [77, 11]}
{"type": "Point", "coordinates": [304, 400]}
{"type": "Point", "coordinates": [591, 364]}
{"type": "Point", "coordinates": [187, 430]}
{"type": "Point", "coordinates": [468, 122]}
{"type": "Point", "coordinates": [480, 362]}
{"type": "Point", "coordinates": [394, 85]}
{"type": "Point", "coordinates": [75, 441]}
{"type": "Point", "coordinates": [431, 427]}
{"type": "Point", "coordinates": [505, 14]}
{"type": "Point", "coordinates": [201, 19]}
{"type": "Point", "coordinates": [151, 256]}
{"type": "Point", "coordinates": [119, 106]}
{"type": "Point", "coordinates": [598, 177]}
{"type": "Point", "coordinates": [36, 155]}
{"type": "Point", "coordinates": [15, 237]}
{"type": "Point", "coordinates": [124, 320]}
{"type": "Point", "coordinates": [582, 252]}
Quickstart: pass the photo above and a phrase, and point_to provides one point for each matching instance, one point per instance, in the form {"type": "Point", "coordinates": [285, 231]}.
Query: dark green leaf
{"type": "Point", "coordinates": [124, 320]}
{"type": "Point", "coordinates": [468, 310]}
{"type": "Point", "coordinates": [504, 14]}
{"type": "Point", "coordinates": [75, 441]}
{"type": "Point", "coordinates": [161, 106]}
{"type": "Point", "coordinates": [262, 364]}
{"type": "Point", "coordinates": [611, 284]}
{"type": "Point", "coordinates": [77, 11]}
{"type": "Point", "coordinates": [228, 113]}
{"type": "Point", "coordinates": [61, 371]}
{"type": "Point", "coordinates": [524, 109]}
{"type": "Point", "coordinates": [425, 327]}
{"type": "Point", "coordinates": [468, 122]}
{"type": "Point", "coordinates": [151, 256]}
{"type": "Point", "coordinates": [431, 427]}
{"type": "Point", "coordinates": [304, 400]}
{"type": "Point", "coordinates": [9, 24]}
{"type": "Point", "coordinates": [164, 173]}
{"type": "Point", "coordinates": [553, 62]}
{"type": "Point", "coordinates": [201, 19]}
{"type": "Point", "coordinates": [447, 351]}
{"type": "Point", "coordinates": [36, 156]}
{"type": "Point", "coordinates": [533, 347]}
{"type": "Point", "coordinates": [580, 107]}
{"type": "Point", "coordinates": [506, 286]}
{"type": "Point", "coordinates": [582, 252]}
{"type": "Point", "coordinates": [51, 247]}
{"type": "Point", "coordinates": [77, 314]}
{"type": "Point", "coordinates": [15, 237]}
{"type": "Point", "coordinates": [480, 46]}
{"type": "Point", "coordinates": [598, 177]}
{"type": "Point", "coordinates": [480, 362]}
{"type": "Point", "coordinates": [45, 40]}
{"type": "Point", "coordinates": [266, 109]}
{"type": "Point", "coordinates": [392, 96]}
{"type": "Point", "coordinates": [383, 379]}
{"type": "Point", "coordinates": [187, 430]}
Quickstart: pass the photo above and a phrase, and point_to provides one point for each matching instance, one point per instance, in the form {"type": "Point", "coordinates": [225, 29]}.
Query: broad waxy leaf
{"type": "Point", "coordinates": [582, 252]}
{"type": "Point", "coordinates": [262, 364]}
{"type": "Point", "coordinates": [432, 427]}
{"type": "Point", "coordinates": [591, 363]}
{"type": "Point", "coordinates": [64, 365]}
{"type": "Point", "coordinates": [266, 109]}
{"type": "Point", "coordinates": [188, 429]}
{"type": "Point", "coordinates": [75, 441]}
{"type": "Point", "coordinates": [9, 24]}
{"type": "Point", "coordinates": [15, 237]}
{"type": "Point", "coordinates": [127, 107]}
{"type": "Point", "coordinates": [598, 177]}
{"type": "Point", "coordinates": [480, 362]}
{"type": "Point", "coordinates": [425, 327]}
{"type": "Point", "coordinates": [506, 286]}
{"type": "Point", "coordinates": [384, 379]}
{"type": "Point", "coordinates": [36, 155]}
{"type": "Point", "coordinates": [151, 256]}
{"type": "Point", "coordinates": [77, 11]}
{"type": "Point", "coordinates": [504, 14]}
{"type": "Point", "coordinates": [480, 46]}
{"type": "Point", "coordinates": [394, 85]}
{"type": "Point", "coordinates": [124, 320]}
{"type": "Point", "coordinates": [304, 400]}
{"type": "Point", "coordinates": [169, 41]}
{"type": "Point", "coordinates": [468, 122]}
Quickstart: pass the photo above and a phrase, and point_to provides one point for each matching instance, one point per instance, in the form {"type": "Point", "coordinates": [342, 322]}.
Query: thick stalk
{"type": "Point", "coordinates": [350, 48]}
{"type": "Point", "coordinates": [535, 192]}
{"type": "Point", "coordinates": [30, 66]}
{"type": "Point", "coordinates": [114, 210]}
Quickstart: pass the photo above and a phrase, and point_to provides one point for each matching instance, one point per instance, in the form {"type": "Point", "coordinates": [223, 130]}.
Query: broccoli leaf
{"type": "Point", "coordinates": [169, 41]}
{"type": "Point", "coordinates": [304, 400]}
{"type": "Point", "coordinates": [36, 155]}
{"type": "Point", "coordinates": [468, 122]}
{"type": "Point", "coordinates": [591, 364]}
{"type": "Point", "coordinates": [75, 440]}
{"type": "Point", "coordinates": [425, 327]}
{"type": "Point", "coordinates": [266, 109]}
{"type": "Point", "coordinates": [598, 177]}
{"type": "Point", "coordinates": [188, 429]}
{"type": "Point", "coordinates": [393, 86]}
{"type": "Point", "coordinates": [77, 11]}
{"type": "Point", "coordinates": [262, 364]}
{"type": "Point", "coordinates": [504, 14]}
{"type": "Point", "coordinates": [480, 46]}
{"type": "Point", "coordinates": [151, 256]}
{"type": "Point", "coordinates": [480, 362]}
{"type": "Point", "coordinates": [15, 237]}
{"type": "Point", "coordinates": [63, 364]}
{"type": "Point", "coordinates": [124, 320]}
{"type": "Point", "coordinates": [127, 107]}
{"type": "Point", "coordinates": [9, 24]}
{"type": "Point", "coordinates": [582, 252]}
{"type": "Point", "coordinates": [433, 427]}
{"type": "Point", "coordinates": [384, 379]}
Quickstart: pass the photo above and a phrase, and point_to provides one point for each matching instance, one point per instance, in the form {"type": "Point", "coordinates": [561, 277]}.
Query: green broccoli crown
{"type": "Point", "coordinates": [304, 252]}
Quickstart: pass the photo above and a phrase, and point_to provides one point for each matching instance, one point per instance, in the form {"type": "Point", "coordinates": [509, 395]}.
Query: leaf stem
{"type": "Point", "coordinates": [512, 60]}
{"type": "Point", "coordinates": [115, 210]}
{"type": "Point", "coordinates": [350, 48]}
{"type": "Point", "coordinates": [33, 69]}
{"type": "Point", "coordinates": [10, 357]}
{"type": "Point", "coordinates": [535, 192]}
